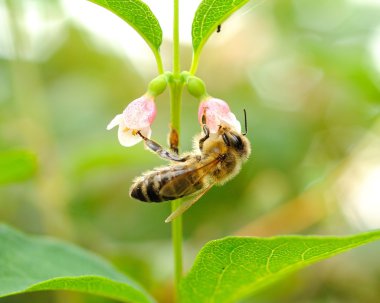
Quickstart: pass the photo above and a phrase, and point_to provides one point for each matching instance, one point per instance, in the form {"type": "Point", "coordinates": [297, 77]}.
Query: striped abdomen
{"type": "Point", "coordinates": [147, 189]}
{"type": "Point", "coordinates": [165, 185]}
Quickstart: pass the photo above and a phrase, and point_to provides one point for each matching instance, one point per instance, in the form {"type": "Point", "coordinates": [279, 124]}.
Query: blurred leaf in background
{"type": "Point", "coordinates": [16, 166]}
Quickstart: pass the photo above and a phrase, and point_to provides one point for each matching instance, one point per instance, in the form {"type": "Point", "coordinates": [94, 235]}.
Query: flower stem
{"type": "Point", "coordinates": [194, 63]}
{"type": "Point", "coordinates": [175, 108]}
{"type": "Point", "coordinates": [176, 87]}
{"type": "Point", "coordinates": [158, 58]}
{"type": "Point", "coordinates": [176, 62]}
{"type": "Point", "coordinates": [177, 248]}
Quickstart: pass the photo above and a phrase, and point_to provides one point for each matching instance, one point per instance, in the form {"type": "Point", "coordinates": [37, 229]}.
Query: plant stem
{"type": "Point", "coordinates": [175, 115]}
{"type": "Point", "coordinates": [194, 63]}
{"type": "Point", "coordinates": [176, 62]}
{"type": "Point", "coordinates": [176, 87]}
{"type": "Point", "coordinates": [177, 248]}
{"type": "Point", "coordinates": [160, 67]}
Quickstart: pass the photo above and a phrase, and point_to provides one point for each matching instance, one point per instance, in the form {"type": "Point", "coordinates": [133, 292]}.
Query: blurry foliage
{"type": "Point", "coordinates": [302, 70]}
{"type": "Point", "coordinates": [16, 166]}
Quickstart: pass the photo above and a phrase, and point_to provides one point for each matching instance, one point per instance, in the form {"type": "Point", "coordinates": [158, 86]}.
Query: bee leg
{"type": "Point", "coordinates": [163, 153]}
{"type": "Point", "coordinates": [205, 137]}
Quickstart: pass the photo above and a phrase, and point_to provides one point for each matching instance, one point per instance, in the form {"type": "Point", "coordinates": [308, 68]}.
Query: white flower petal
{"type": "Point", "coordinates": [115, 121]}
{"type": "Point", "coordinates": [126, 138]}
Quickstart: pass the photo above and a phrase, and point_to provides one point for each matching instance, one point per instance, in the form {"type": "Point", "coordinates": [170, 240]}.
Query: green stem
{"type": "Point", "coordinates": [175, 115]}
{"type": "Point", "coordinates": [194, 63]}
{"type": "Point", "coordinates": [176, 87]}
{"type": "Point", "coordinates": [177, 248]}
{"type": "Point", "coordinates": [176, 62]}
{"type": "Point", "coordinates": [160, 66]}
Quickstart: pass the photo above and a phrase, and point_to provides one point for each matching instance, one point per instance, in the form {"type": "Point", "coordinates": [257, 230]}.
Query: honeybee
{"type": "Point", "coordinates": [216, 158]}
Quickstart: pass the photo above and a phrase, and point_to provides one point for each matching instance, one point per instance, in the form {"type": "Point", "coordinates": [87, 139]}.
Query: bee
{"type": "Point", "coordinates": [216, 158]}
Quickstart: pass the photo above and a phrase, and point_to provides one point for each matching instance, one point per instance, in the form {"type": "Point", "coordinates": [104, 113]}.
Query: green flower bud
{"type": "Point", "coordinates": [157, 86]}
{"type": "Point", "coordinates": [196, 87]}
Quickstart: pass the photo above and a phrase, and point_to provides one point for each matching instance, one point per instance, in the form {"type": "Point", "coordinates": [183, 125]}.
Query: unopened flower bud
{"type": "Point", "coordinates": [196, 87]}
{"type": "Point", "coordinates": [157, 86]}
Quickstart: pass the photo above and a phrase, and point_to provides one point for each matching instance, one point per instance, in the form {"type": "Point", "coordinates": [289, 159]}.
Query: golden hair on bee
{"type": "Point", "coordinates": [215, 159]}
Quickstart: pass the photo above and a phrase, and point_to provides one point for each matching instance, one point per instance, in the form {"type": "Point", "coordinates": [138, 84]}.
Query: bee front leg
{"type": "Point", "coordinates": [206, 131]}
{"type": "Point", "coordinates": [159, 150]}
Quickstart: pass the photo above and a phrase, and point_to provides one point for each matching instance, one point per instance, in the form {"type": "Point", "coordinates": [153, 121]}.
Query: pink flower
{"type": "Point", "coordinates": [217, 112]}
{"type": "Point", "coordinates": [137, 116]}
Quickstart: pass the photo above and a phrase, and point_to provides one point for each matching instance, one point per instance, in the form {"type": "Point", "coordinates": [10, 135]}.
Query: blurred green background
{"type": "Point", "coordinates": [308, 74]}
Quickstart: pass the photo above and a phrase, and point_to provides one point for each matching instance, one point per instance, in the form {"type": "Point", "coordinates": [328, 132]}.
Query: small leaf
{"type": "Point", "coordinates": [138, 15]}
{"type": "Point", "coordinates": [16, 166]}
{"type": "Point", "coordinates": [230, 269]}
{"type": "Point", "coordinates": [35, 263]}
{"type": "Point", "coordinates": [209, 15]}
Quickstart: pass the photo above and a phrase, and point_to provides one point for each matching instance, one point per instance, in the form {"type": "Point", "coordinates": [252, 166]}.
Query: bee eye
{"type": "Point", "coordinates": [226, 139]}
{"type": "Point", "coordinates": [236, 142]}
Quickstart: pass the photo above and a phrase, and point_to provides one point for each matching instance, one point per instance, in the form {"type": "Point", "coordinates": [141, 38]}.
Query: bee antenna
{"type": "Point", "coordinates": [245, 123]}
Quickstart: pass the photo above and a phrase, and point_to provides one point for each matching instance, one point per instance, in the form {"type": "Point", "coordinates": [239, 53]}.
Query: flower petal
{"type": "Point", "coordinates": [217, 113]}
{"type": "Point", "coordinates": [127, 138]}
{"type": "Point", "coordinates": [115, 121]}
{"type": "Point", "coordinates": [140, 113]}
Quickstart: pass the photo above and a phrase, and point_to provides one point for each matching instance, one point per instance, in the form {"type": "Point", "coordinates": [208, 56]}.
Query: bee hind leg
{"type": "Point", "coordinates": [159, 150]}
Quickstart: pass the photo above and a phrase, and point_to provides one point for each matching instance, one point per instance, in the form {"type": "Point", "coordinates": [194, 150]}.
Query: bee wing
{"type": "Point", "coordinates": [182, 185]}
{"type": "Point", "coordinates": [188, 203]}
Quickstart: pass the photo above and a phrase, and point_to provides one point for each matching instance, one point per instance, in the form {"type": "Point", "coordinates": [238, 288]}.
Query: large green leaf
{"type": "Point", "coordinates": [35, 263]}
{"type": "Point", "coordinates": [138, 15]}
{"type": "Point", "coordinates": [230, 269]}
{"type": "Point", "coordinates": [209, 15]}
{"type": "Point", "coordinates": [16, 166]}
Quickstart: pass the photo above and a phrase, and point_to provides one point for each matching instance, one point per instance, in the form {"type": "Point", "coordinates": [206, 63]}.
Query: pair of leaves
{"type": "Point", "coordinates": [16, 166]}
{"type": "Point", "coordinates": [137, 14]}
{"type": "Point", "coordinates": [225, 270]}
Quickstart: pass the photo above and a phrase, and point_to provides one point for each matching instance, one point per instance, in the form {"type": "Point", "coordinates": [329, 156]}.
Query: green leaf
{"type": "Point", "coordinates": [209, 15]}
{"type": "Point", "coordinates": [36, 263]}
{"type": "Point", "coordinates": [138, 15]}
{"type": "Point", "coordinates": [230, 269]}
{"type": "Point", "coordinates": [16, 166]}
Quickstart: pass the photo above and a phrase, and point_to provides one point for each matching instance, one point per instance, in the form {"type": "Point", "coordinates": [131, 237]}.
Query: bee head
{"type": "Point", "coordinates": [235, 141]}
